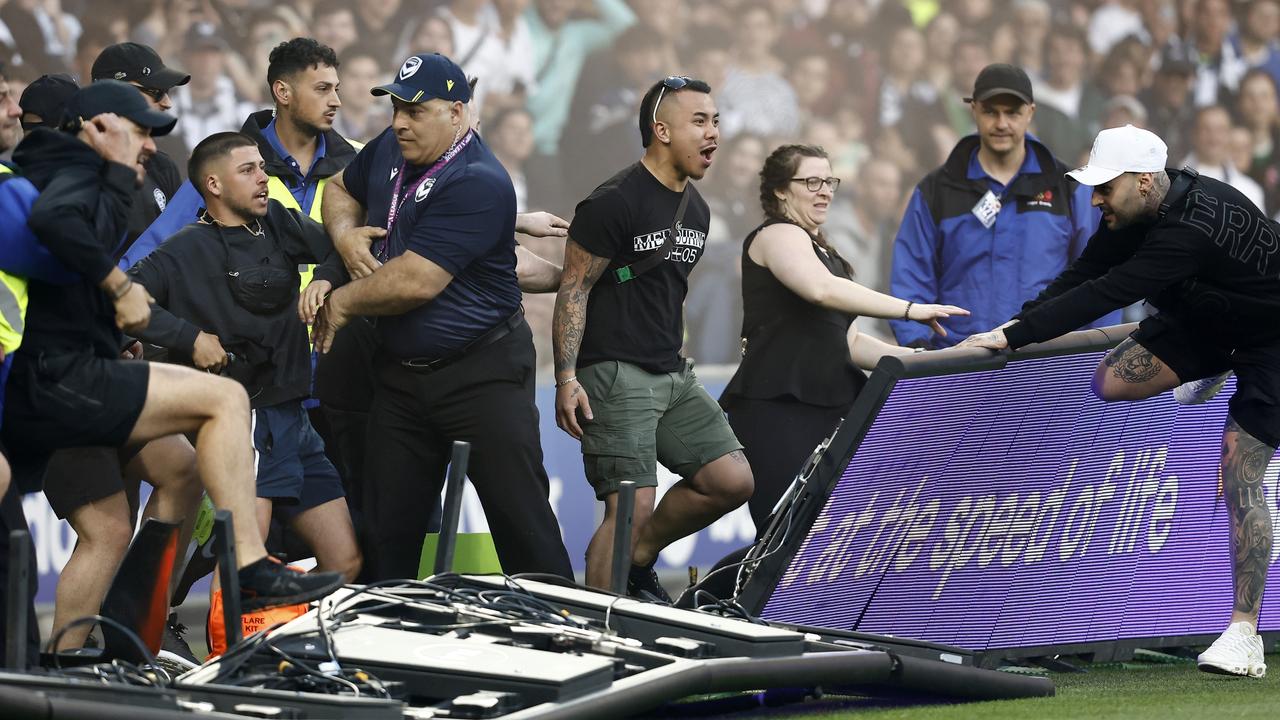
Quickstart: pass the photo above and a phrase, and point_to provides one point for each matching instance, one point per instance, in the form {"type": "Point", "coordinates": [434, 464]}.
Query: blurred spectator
{"type": "Point", "coordinates": [731, 188]}
{"type": "Point", "coordinates": [708, 60]}
{"type": "Point", "coordinates": [602, 117]}
{"type": "Point", "coordinates": [1120, 73]}
{"type": "Point", "coordinates": [811, 82]}
{"type": "Point", "coordinates": [1256, 42]}
{"type": "Point", "coordinates": [967, 60]}
{"type": "Point", "coordinates": [863, 232]}
{"type": "Point", "coordinates": [1031, 19]}
{"type": "Point", "coordinates": [507, 56]}
{"type": "Point", "coordinates": [1119, 111]}
{"type": "Point", "coordinates": [1211, 153]}
{"type": "Point", "coordinates": [362, 116]}
{"type": "Point", "coordinates": [757, 97]}
{"type": "Point", "coordinates": [333, 23]}
{"type": "Point", "coordinates": [209, 103]}
{"type": "Point", "coordinates": [904, 91]}
{"type": "Point", "coordinates": [977, 15]}
{"type": "Point", "coordinates": [1169, 104]}
{"type": "Point", "coordinates": [428, 34]}
{"type": "Point", "coordinates": [43, 35]}
{"type": "Point", "coordinates": [1067, 106]}
{"type": "Point", "coordinates": [1113, 21]}
{"type": "Point", "coordinates": [91, 43]}
{"type": "Point", "coordinates": [509, 135]}
{"type": "Point", "coordinates": [561, 43]}
{"type": "Point", "coordinates": [1219, 66]}
{"type": "Point", "coordinates": [1259, 110]}
{"type": "Point", "coordinates": [1241, 148]}
{"type": "Point", "coordinates": [849, 34]}
{"type": "Point", "coordinates": [380, 18]}
{"type": "Point", "coordinates": [941, 36]}
{"type": "Point", "coordinates": [269, 28]}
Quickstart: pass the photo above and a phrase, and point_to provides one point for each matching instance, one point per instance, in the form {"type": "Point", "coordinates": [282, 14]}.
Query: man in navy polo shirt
{"type": "Point", "coordinates": [456, 360]}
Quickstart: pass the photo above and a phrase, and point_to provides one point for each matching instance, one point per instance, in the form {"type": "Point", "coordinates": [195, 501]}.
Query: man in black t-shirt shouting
{"type": "Point", "coordinates": [1207, 258]}
{"type": "Point", "coordinates": [622, 387]}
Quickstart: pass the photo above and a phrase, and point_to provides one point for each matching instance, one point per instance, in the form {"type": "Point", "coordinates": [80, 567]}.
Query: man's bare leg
{"type": "Point", "coordinates": [103, 529]}
{"type": "Point", "coordinates": [328, 531]}
{"type": "Point", "coordinates": [181, 400]}
{"type": "Point", "coordinates": [694, 503]}
{"type": "Point", "coordinates": [169, 465]}
{"type": "Point", "coordinates": [600, 549]}
{"type": "Point", "coordinates": [1244, 461]}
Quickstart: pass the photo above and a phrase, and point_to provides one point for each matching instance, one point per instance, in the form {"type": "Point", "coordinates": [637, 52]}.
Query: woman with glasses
{"type": "Point", "coordinates": [801, 349]}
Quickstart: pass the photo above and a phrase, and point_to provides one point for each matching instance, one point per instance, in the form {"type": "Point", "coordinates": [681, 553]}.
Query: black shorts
{"type": "Point", "coordinates": [292, 468]}
{"type": "Point", "coordinates": [1191, 355]}
{"type": "Point", "coordinates": [76, 477]}
{"type": "Point", "coordinates": [69, 400]}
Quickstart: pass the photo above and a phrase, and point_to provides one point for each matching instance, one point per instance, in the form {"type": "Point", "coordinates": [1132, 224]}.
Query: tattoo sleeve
{"type": "Point", "coordinates": [1244, 461]}
{"type": "Point", "coordinates": [581, 270]}
{"type": "Point", "coordinates": [1132, 363]}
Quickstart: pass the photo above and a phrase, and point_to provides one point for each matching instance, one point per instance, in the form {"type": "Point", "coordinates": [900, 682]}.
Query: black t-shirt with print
{"type": "Point", "coordinates": [626, 219]}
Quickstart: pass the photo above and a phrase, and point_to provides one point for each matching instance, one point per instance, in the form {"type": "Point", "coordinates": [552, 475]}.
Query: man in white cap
{"type": "Point", "coordinates": [1204, 255]}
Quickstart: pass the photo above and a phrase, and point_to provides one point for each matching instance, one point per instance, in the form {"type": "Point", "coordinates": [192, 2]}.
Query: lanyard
{"type": "Point", "coordinates": [394, 211]}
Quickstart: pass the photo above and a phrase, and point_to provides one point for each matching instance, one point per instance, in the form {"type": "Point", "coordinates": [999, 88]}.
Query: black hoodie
{"type": "Point", "coordinates": [189, 276]}
{"type": "Point", "coordinates": [81, 215]}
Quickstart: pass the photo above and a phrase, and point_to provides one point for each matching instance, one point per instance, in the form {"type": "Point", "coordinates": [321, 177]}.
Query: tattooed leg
{"type": "Point", "coordinates": [1132, 372]}
{"type": "Point", "coordinates": [1244, 460]}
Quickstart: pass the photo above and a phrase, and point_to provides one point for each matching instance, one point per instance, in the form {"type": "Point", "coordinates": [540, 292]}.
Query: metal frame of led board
{"type": "Point", "coordinates": [785, 540]}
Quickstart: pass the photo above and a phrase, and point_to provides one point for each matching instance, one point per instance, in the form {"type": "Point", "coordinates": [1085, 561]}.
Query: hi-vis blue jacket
{"type": "Point", "coordinates": [944, 254]}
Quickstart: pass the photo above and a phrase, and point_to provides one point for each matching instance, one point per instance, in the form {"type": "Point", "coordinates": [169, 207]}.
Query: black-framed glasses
{"type": "Point", "coordinates": [814, 184]}
{"type": "Point", "coordinates": [674, 82]}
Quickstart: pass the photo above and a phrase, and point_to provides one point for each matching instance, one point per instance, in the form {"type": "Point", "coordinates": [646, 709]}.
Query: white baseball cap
{"type": "Point", "coordinates": [1121, 150]}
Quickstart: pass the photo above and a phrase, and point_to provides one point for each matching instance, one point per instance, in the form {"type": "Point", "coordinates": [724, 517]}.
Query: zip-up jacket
{"type": "Point", "coordinates": [944, 254]}
{"type": "Point", "coordinates": [80, 216]}
{"type": "Point", "coordinates": [183, 206]}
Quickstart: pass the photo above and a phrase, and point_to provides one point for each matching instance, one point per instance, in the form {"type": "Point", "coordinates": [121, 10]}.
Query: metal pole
{"type": "Point", "coordinates": [452, 507]}
{"type": "Point", "coordinates": [622, 537]}
{"type": "Point", "coordinates": [224, 549]}
{"type": "Point", "coordinates": [19, 594]}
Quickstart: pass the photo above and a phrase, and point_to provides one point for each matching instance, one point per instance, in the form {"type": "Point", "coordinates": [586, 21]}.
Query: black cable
{"type": "Point", "coordinates": [145, 652]}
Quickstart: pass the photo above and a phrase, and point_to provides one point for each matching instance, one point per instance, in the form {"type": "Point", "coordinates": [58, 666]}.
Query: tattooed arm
{"type": "Point", "coordinates": [581, 270]}
{"type": "Point", "coordinates": [1244, 461]}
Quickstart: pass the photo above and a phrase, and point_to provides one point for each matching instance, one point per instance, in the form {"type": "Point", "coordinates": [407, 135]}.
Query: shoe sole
{"type": "Point", "coordinates": [267, 603]}
{"type": "Point", "coordinates": [1255, 671]}
{"type": "Point", "coordinates": [170, 660]}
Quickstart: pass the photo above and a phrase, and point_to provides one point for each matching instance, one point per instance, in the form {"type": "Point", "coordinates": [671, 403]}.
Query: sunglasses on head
{"type": "Point", "coordinates": [673, 83]}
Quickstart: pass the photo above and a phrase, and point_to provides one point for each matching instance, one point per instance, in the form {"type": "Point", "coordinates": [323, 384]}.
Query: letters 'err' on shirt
{"type": "Point", "coordinates": [462, 219]}
{"type": "Point", "coordinates": [626, 219]}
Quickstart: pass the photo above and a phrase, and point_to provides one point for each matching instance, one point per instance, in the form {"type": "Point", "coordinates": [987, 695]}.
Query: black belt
{"type": "Point", "coordinates": [427, 365]}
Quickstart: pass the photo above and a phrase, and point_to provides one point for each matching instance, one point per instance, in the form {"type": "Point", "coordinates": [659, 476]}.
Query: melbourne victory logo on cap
{"type": "Point", "coordinates": [410, 67]}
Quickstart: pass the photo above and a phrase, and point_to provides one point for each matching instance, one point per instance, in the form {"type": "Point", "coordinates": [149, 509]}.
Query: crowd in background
{"type": "Point", "coordinates": [878, 83]}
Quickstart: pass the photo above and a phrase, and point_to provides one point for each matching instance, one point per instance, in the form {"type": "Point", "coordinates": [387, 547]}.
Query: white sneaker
{"type": "Point", "coordinates": [1201, 391]}
{"type": "Point", "coordinates": [1238, 651]}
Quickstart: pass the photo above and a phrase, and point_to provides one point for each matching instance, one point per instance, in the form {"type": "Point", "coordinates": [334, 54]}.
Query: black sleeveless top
{"type": "Point", "coordinates": [794, 350]}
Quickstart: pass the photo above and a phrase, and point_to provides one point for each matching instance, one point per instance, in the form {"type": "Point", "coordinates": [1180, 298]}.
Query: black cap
{"type": "Point", "coordinates": [1001, 79]}
{"type": "Point", "coordinates": [204, 35]}
{"type": "Point", "coordinates": [46, 97]}
{"type": "Point", "coordinates": [123, 99]}
{"type": "Point", "coordinates": [423, 77]}
{"type": "Point", "coordinates": [1174, 61]}
{"type": "Point", "coordinates": [134, 62]}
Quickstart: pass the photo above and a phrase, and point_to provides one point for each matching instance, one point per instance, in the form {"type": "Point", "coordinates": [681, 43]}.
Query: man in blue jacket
{"type": "Point", "coordinates": [990, 228]}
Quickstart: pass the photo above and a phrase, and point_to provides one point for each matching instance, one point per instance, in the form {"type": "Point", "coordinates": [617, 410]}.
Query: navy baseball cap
{"type": "Point", "coordinates": [423, 77]}
{"type": "Point", "coordinates": [123, 99]}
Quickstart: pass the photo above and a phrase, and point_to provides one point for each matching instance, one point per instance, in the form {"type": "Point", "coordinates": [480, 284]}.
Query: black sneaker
{"type": "Point", "coordinates": [266, 584]}
{"type": "Point", "coordinates": [642, 584]}
{"type": "Point", "coordinates": [174, 652]}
